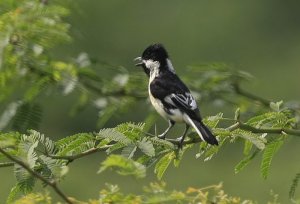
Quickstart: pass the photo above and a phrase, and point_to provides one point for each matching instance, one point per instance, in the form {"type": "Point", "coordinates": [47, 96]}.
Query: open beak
{"type": "Point", "coordinates": [139, 61]}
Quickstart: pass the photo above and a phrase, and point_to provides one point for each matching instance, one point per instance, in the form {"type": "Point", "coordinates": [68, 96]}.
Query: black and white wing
{"type": "Point", "coordinates": [175, 95]}
{"type": "Point", "coordinates": [184, 102]}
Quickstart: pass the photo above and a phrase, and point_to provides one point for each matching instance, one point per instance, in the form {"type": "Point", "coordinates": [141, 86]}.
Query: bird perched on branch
{"type": "Point", "coordinates": [170, 96]}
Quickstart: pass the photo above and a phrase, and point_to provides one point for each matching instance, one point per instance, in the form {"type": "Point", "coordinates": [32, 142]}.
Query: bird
{"type": "Point", "coordinates": [170, 97]}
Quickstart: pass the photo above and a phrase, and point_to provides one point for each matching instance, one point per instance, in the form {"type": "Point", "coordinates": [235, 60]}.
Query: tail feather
{"type": "Point", "coordinates": [203, 131]}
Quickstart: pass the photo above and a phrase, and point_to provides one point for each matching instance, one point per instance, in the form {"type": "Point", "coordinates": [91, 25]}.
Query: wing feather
{"type": "Point", "coordinates": [173, 93]}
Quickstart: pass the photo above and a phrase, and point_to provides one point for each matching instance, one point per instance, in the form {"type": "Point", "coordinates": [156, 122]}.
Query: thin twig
{"type": "Point", "coordinates": [6, 164]}
{"type": "Point", "coordinates": [37, 175]}
{"type": "Point", "coordinates": [71, 158]}
{"type": "Point", "coordinates": [288, 131]}
{"type": "Point", "coordinates": [242, 92]}
{"type": "Point", "coordinates": [244, 126]}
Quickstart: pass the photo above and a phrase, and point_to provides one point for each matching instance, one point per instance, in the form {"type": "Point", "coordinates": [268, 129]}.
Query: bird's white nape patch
{"type": "Point", "coordinates": [150, 64]}
{"type": "Point", "coordinates": [153, 66]}
{"type": "Point", "coordinates": [170, 65]}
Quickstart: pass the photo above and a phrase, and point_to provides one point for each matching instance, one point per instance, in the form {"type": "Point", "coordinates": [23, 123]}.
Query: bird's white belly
{"type": "Point", "coordinates": [176, 115]}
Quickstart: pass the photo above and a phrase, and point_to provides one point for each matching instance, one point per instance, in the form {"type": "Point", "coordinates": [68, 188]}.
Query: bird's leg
{"type": "Point", "coordinates": [163, 135]}
{"type": "Point", "coordinates": [181, 139]}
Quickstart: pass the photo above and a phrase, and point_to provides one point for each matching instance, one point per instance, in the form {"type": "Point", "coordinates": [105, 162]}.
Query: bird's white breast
{"type": "Point", "coordinates": [176, 115]}
{"type": "Point", "coordinates": [157, 104]}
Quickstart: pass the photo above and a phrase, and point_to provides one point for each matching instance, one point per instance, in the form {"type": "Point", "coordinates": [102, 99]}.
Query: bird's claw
{"type": "Point", "coordinates": [162, 136]}
{"type": "Point", "coordinates": [180, 142]}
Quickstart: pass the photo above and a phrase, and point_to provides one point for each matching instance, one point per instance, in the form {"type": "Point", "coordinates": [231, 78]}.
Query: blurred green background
{"type": "Point", "coordinates": [261, 37]}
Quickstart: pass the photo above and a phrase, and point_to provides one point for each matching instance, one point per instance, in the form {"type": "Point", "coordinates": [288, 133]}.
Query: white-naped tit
{"type": "Point", "coordinates": [170, 96]}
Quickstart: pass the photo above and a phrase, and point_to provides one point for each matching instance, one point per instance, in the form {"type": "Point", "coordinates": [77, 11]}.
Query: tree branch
{"type": "Point", "coordinates": [244, 126]}
{"type": "Point", "coordinates": [288, 131]}
{"type": "Point", "coordinates": [37, 175]}
{"type": "Point", "coordinates": [236, 125]}
{"type": "Point", "coordinates": [83, 154]}
{"type": "Point", "coordinates": [238, 90]}
{"type": "Point", "coordinates": [6, 164]}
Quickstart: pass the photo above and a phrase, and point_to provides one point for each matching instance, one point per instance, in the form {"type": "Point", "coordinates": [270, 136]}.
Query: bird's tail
{"type": "Point", "coordinates": [203, 131]}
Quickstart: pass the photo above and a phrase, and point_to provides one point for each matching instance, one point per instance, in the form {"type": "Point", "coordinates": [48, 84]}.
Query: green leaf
{"type": "Point", "coordinates": [37, 87]}
{"type": "Point", "coordinates": [115, 147]}
{"type": "Point", "coordinates": [31, 155]}
{"type": "Point", "coordinates": [9, 139]}
{"type": "Point", "coordinates": [129, 151]}
{"type": "Point", "coordinates": [48, 144]}
{"type": "Point", "coordinates": [131, 130]}
{"type": "Point", "coordinates": [114, 135]}
{"type": "Point", "coordinates": [268, 155]}
{"type": "Point", "coordinates": [258, 140]}
{"type": "Point", "coordinates": [52, 169]}
{"type": "Point", "coordinates": [25, 180]}
{"type": "Point", "coordinates": [146, 147]}
{"type": "Point", "coordinates": [28, 116]}
{"type": "Point", "coordinates": [162, 165]}
{"type": "Point", "coordinates": [146, 160]}
{"type": "Point", "coordinates": [244, 162]}
{"type": "Point", "coordinates": [276, 106]}
{"type": "Point", "coordinates": [247, 147]}
{"type": "Point", "coordinates": [75, 144]}
{"type": "Point", "coordinates": [13, 194]}
{"type": "Point", "coordinates": [208, 151]}
{"type": "Point", "coordinates": [123, 166]}
{"type": "Point", "coordinates": [237, 114]}
{"type": "Point", "coordinates": [272, 119]}
{"type": "Point", "coordinates": [163, 143]}
{"type": "Point", "coordinates": [212, 121]}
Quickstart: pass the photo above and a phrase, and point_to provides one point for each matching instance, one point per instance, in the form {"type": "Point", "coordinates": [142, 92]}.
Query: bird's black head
{"type": "Point", "coordinates": [155, 56]}
{"type": "Point", "coordinates": [156, 52]}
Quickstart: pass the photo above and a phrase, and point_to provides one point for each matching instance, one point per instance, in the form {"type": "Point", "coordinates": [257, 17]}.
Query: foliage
{"type": "Point", "coordinates": [154, 193]}
{"type": "Point", "coordinates": [137, 150]}
{"type": "Point", "coordinates": [29, 73]}
{"type": "Point", "coordinates": [126, 166]}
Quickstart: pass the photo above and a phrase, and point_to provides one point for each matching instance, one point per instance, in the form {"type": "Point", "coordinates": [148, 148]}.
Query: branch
{"type": "Point", "coordinates": [83, 154]}
{"type": "Point", "coordinates": [251, 96]}
{"type": "Point", "coordinates": [37, 175]}
{"type": "Point", "coordinates": [236, 125]}
{"type": "Point", "coordinates": [7, 164]}
{"type": "Point", "coordinates": [244, 126]}
{"type": "Point", "coordinates": [288, 131]}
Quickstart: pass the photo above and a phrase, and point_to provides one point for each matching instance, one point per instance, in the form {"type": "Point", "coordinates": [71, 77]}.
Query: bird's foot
{"type": "Point", "coordinates": [180, 142]}
{"type": "Point", "coordinates": [162, 136]}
